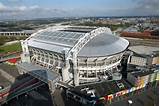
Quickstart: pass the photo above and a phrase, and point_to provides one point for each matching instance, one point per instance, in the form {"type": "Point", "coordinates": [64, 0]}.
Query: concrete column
{"type": "Point", "coordinates": [87, 67]}
{"type": "Point", "coordinates": [20, 70]}
{"type": "Point", "coordinates": [76, 77]}
{"type": "Point", "coordinates": [76, 71]}
{"type": "Point", "coordinates": [96, 73]}
{"type": "Point", "coordinates": [51, 86]}
{"type": "Point", "coordinates": [65, 73]}
{"type": "Point", "coordinates": [59, 62]}
{"type": "Point", "coordinates": [25, 57]}
{"type": "Point", "coordinates": [149, 60]}
{"type": "Point", "coordinates": [49, 60]}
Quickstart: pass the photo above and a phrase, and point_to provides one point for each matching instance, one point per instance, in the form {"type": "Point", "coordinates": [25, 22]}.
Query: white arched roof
{"type": "Point", "coordinates": [104, 44]}
{"type": "Point", "coordinates": [64, 38]}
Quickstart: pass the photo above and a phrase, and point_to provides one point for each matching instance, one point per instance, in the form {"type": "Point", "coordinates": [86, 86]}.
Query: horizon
{"type": "Point", "coordinates": [72, 17]}
{"type": "Point", "coordinates": [29, 9]}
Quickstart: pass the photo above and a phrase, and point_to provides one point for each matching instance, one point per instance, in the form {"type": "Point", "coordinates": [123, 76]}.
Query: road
{"type": "Point", "coordinates": [4, 82]}
{"type": "Point", "coordinates": [7, 76]}
{"type": "Point", "coordinates": [10, 69]}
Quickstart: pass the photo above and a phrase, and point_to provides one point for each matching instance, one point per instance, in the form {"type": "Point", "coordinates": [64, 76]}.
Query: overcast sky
{"type": "Point", "coordinates": [28, 9]}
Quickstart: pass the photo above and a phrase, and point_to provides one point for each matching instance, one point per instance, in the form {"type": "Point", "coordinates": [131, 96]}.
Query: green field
{"type": "Point", "coordinates": [10, 48]}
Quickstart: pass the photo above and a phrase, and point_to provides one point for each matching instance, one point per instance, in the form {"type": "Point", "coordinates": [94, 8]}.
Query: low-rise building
{"type": "Point", "coordinates": [143, 77]}
{"type": "Point", "coordinates": [26, 33]}
{"type": "Point", "coordinates": [96, 92]}
{"type": "Point", "coordinates": [143, 35]}
{"type": "Point", "coordinates": [144, 55]}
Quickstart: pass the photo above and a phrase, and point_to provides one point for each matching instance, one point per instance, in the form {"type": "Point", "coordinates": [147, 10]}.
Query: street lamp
{"type": "Point", "coordinates": [130, 102]}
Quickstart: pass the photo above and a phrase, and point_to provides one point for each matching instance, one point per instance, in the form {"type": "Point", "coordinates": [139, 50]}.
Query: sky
{"type": "Point", "coordinates": [28, 9]}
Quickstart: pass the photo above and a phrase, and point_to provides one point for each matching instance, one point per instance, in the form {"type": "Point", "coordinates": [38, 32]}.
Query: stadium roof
{"type": "Point", "coordinates": [58, 40]}
{"type": "Point", "coordinates": [62, 37]}
{"type": "Point", "coordinates": [103, 44]}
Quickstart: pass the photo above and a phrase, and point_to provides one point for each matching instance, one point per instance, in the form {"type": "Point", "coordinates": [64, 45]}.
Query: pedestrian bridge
{"type": "Point", "coordinates": [19, 88]}
{"type": "Point", "coordinates": [41, 73]}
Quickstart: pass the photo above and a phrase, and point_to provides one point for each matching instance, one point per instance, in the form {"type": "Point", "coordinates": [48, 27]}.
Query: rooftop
{"type": "Point", "coordinates": [58, 40]}
{"type": "Point", "coordinates": [62, 37]}
{"type": "Point", "coordinates": [146, 50]}
{"type": "Point", "coordinates": [36, 70]}
{"type": "Point", "coordinates": [104, 44]}
{"type": "Point", "coordinates": [103, 88]}
{"type": "Point", "coordinates": [143, 73]}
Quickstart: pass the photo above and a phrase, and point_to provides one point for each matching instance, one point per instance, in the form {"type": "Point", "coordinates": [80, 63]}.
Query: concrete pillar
{"type": "Point", "coordinates": [51, 86]}
{"type": "Point", "coordinates": [76, 77]}
{"type": "Point", "coordinates": [149, 60]}
{"type": "Point", "coordinates": [96, 73]}
{"type": "Point", "coordinates": [20, 70]}
{"type": "Point", "coordinates": [87, 67]}
{"type": "Point", "coordinates": [76, 71]}
{"type": "Point", "coordinates": [59, 62]}
{"type": "Point", "coordinates": [25, 56]}
{"type": "Point", "coordinates": [65, 73]}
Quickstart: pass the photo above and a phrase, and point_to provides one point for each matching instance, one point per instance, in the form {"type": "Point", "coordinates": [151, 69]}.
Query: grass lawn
{"type": "Point", "coordinates": [10, 48]}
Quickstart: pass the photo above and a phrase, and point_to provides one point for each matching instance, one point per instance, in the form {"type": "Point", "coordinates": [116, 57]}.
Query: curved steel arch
{"type": "Point", "coordinates": [72, 54]}
{"type": "Point", "coordinates": [85, 39]}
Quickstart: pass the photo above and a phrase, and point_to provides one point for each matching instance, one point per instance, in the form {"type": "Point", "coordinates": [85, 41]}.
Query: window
{"type": "Point", "coordinates": [46, 60]}
{"type": "Point", "coordinates": [51, 61]}
{"type": "Point", "coordinates": [38, 57]}
{"type": "Point", "coordinates": [120, 85]}
{"type": "Point", "coordinates": [78, 98]}
{"type": "Point", "coordinates": [42, 59]}
{"type": "Point", "coordinates": [56, 63]}
{"type": "Point", "coordinates": [70, 95]}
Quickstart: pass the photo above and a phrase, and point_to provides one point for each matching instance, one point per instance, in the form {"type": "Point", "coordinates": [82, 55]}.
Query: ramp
{"type": "Point", "coordinates": [41, 73]}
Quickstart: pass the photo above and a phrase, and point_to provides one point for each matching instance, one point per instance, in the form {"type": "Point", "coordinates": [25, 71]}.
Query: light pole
{"type": "Point", "coordinates": [130, 102]}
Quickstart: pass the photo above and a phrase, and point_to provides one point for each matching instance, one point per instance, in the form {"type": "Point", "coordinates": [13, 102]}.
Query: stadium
{"type": "Point", "coordinates": [77, 55]}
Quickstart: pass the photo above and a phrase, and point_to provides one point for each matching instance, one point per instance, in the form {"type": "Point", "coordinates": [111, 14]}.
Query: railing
{"type": "Point", "coordinates": [10, 53]}
{"type": "Point", "coordinates": [98, 67]}
{"type": "Point", "coordinates": [8, 58]}
{"type": "Point", "coordinates": [14, 33]}
{"type": "Point", "coordinates": [17, 83]}
{"type": "Point", "coordinates": [14, 89]}
{"type": "Point", "coordinates": [100, 62]}
{"type": "Point", "coordinates": [21, 91]}
{"type": "Point", "coordinates": [26, 89]}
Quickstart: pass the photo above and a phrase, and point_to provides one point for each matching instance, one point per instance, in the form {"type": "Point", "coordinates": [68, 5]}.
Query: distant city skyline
{"type": "Point", "coordinates": [29, 9]}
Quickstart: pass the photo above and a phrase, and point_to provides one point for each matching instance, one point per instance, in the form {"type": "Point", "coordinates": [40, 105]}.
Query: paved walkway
{"type": "Point", "coordinates": [7, 76]}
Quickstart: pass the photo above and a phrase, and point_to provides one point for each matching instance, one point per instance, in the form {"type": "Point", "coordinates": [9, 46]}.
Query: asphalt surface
{"type": "Point", "coordinates": [10, 69]}
{"type": "Point", "coordinates": [4, 82]}
{"type": "Point", "coordinates": [33, 99]}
